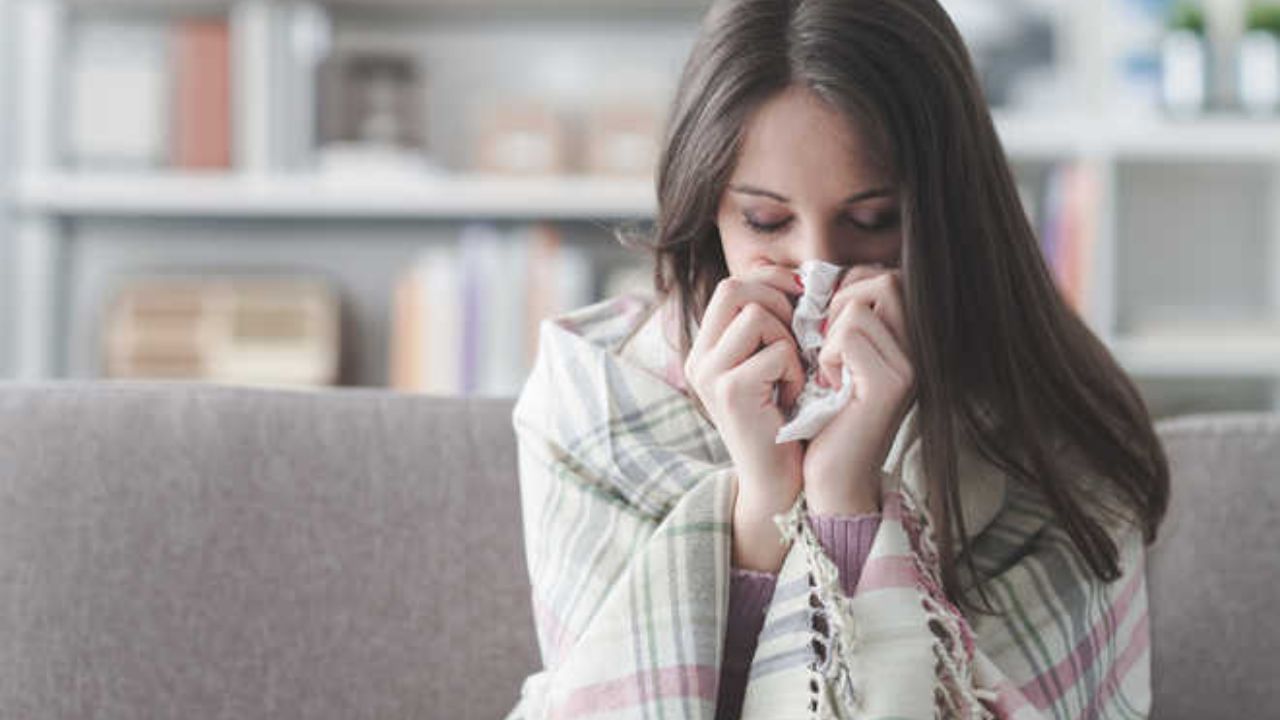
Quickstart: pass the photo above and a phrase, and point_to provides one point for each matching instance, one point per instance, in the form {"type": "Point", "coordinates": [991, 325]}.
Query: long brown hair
{"type": "Point", "coordinates": [998, 354]}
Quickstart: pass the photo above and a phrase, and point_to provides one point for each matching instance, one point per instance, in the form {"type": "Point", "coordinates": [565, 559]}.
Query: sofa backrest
{"type": "Point", "coordinates": [192, 551]}
{"type": "Point", "coordinates": [1214, 571]}
{"type": "Point", "coordinates": [233, 552]}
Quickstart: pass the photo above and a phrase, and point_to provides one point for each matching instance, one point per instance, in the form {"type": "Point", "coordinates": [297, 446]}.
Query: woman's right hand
{"type": "Point", "coordinates": [743, 348]}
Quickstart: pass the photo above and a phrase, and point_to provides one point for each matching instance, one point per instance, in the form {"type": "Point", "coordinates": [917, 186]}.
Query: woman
{"type": "Point", "coordinates": [964, 538]}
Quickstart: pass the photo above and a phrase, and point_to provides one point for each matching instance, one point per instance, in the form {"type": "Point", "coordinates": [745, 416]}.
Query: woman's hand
{"type": "Point", "coordinates": [865, 330]}
{"type": "Point", "coordinates": [743, 348]}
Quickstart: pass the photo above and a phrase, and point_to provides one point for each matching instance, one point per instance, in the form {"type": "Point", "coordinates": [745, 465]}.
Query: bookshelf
{"type": "Point", "coordinates": [78, 227]}
{"type": "Point", "coordinates": [187, 195]}
{"type": "Point", "coordinates": [1181, 216]}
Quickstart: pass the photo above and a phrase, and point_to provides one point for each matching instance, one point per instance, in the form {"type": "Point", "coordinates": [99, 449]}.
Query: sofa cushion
{"type": "Point", "coordinates": [1214, 571]}
{"type": "Point", "coordinates": [199, 551]}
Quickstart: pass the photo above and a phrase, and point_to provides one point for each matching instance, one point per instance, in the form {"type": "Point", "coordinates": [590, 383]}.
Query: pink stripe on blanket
{"type": "Point", "coordinates": [632, 690]}
{"type": "Point", "coordinates": [674, 374]}
{"type": "Point", "coordinates": [887, 571]}
{"type": "Point", "coordinates": [1011, 704]}
{"type": "Point", "coordinates": [552, 630]}
{"type": "Point", "coordinates": [1066, 669]}
{"type": "Point", "coordinates": [630, 303]}
{"type": "Point", "coordinates": [1139, 638]}
{"type": "Point", "coordinates": [891, 505]}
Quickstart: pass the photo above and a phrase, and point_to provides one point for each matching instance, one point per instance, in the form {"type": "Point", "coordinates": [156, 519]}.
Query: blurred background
{"type": "Point", "coordinates": [393, 193]}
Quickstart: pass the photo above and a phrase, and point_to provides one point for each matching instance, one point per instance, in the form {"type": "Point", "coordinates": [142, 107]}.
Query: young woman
{"type": "Point", "coordinates": [964, 538]}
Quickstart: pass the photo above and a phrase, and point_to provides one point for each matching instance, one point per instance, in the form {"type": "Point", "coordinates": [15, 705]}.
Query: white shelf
{"type": "Point", "coordinates": [223, 195]}
{"type": "Point", "coordinates": [1212, 138]}
{"type": "Point", "coordinates": [684, 6]}
{"type": "Point", "coordinates": [1040, 137]}
{"type": "Point", "coordinates": [178, 194]}
{"type": "Point", "coordinates": [1222, 138]}
{"type": "Point", "coordinates": [1251, 355]}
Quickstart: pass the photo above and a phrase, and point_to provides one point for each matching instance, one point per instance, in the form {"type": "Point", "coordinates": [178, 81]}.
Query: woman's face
{"type": "Point", "coordinates": [805, 187]}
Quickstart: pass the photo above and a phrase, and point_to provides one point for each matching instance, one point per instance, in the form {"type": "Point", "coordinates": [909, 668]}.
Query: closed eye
{"type": "Point", "coordinates": [765, 228]}
{"type": "Point", "coordinates": [882, 222]}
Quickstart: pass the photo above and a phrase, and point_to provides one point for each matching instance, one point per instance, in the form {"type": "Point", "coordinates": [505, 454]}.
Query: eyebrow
{"type": "Point", "coordinates": [864, 195]}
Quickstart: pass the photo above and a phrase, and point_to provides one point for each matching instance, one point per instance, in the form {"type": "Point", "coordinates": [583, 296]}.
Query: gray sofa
{"type": "Point", "coordinates": [182, 550]}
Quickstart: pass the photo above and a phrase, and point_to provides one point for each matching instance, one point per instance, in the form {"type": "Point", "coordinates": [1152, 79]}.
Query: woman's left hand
{"type": "Point", "coordinates": [865, 330]}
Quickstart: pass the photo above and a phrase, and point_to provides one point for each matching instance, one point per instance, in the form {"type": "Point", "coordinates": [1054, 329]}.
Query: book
{"type": "Point", "coordinates": [407, 357]}
{"type": "Point", "coordinates": [560, 279]}
{"type": "Point", "coordinates": [118, 95]}
{"type": "Point", "coordinates": [466, 314]}
{"type": "Point", "coordinates": [202, 94]}
{"type": "Point", "coordinates": [474, 300]}
{"type": "Point", "coordinates": [1069, 233]}
{"type": "Point", "coordinates": [441, 337]}
{"type": "Point", "coordinates": [496, 262]}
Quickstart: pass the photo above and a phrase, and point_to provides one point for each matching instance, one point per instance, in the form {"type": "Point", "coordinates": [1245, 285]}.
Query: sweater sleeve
{"type": "Point", "coordinates": [846, 539]}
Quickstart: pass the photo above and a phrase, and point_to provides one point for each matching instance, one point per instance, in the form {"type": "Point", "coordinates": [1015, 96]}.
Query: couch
{"type": "Point", "coordinates": [188, 550]}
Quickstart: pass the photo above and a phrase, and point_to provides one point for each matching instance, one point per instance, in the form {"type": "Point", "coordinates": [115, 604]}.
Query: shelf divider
{"type": "Point", "coordinates": [252, 97]}
{"type": "Point", "coordinates": [195, 195]}
{"type": "Point", "coordinates": [41, 25]}
{"type": "Point", "coordinates": [38, 253]}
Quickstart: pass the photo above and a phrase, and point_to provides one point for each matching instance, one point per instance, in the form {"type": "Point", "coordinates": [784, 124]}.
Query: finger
{"type": "Point", "coordinates": [778, 362]}
{"type": "Point", "coordinates": [865, 319]}
{"type": "Point", "coordinates": [860, 271]}
{"type": "Point", "coordinates": [729, 297]}
{"type": "Point", "coordinates": [882, 292]}
{"type": "Point", "coordinates": [864, 361]}
{"type": "Point", "coordinates": [830, 360]}
{"type": "Point", "coordinates": [753, 327]}
{"type": "Point", "coordinates": [786, 280]}
{"type": "Point", "coordinates": [852, 276]}
{"type": "Point", "coordinates": [844, 332]}
{"type": "Point", "coordinates": [855, 351]}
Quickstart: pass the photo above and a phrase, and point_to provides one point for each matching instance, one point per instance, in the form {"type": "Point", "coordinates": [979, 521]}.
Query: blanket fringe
{"type": "Point", "coordinates": [831, 683]}
{"type": "Point", "coordinates": [953, 644]}
{"type": "Point", "coordinates": [833, 691]}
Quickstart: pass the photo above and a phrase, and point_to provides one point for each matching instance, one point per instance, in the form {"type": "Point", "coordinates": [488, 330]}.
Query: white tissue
{"type": "Point", "coordinates": [816, 405]}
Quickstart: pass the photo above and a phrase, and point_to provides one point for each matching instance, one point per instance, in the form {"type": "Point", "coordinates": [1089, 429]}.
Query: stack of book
{"type": "Point", "coordinates": [466, 313]}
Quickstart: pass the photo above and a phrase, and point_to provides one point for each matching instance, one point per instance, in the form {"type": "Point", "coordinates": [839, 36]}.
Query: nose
{"type": "Point", "coordinates": [817, 241]}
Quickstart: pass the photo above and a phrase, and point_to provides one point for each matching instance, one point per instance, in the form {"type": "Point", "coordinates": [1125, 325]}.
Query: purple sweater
{"type": "Point", "coordinates": [846, 539]}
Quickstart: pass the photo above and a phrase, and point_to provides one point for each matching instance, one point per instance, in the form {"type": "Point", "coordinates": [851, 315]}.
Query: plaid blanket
{"type": "Point", "coordinates": [627, 491]}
